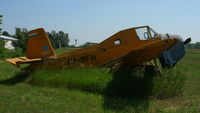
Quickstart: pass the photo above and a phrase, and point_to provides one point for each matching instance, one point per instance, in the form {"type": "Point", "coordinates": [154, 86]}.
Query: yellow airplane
{"type": "Point", "coordinates": [134, 47]}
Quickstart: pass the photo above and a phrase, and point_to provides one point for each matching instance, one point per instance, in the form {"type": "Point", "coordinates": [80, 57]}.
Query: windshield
{"type": "Point", "coordinates": [142, 33]}
{"type": "Point", "coordinates": [146, 33]}
{"type": "Point", "coordinates": [153, 33]}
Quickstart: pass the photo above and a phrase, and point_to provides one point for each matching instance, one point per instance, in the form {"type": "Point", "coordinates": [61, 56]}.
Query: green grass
{"type": "Point", "coordinates": [18, 95]}
{"type": "Point", "coordinates": [63, 50]}
{"type": "Point", "coordinates": [7, 70]}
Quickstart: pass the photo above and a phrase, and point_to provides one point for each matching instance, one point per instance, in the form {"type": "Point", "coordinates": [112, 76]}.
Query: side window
{"type": "Point", "coordinates": [117, 42]}
{"type": "Point", "coordinates": [143, 33]}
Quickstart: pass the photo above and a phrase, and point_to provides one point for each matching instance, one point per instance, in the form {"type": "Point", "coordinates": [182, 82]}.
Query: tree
{"type": "Point", "coordinates": [51, 39]}
{"type": "Point", "coordinates": [21, 35]}
{"type": "Point", "coordinates": [88, 44]}
{"type": "Point", "coordinates": [190, 46]}
{"type": "Point", "coordinates": [63, 39]}
{"type": "Point", "coordinates": [59, 39]}
{"type": "Point", "coordinates": [2, 42]}
{"type": "Point", "coordinates": [5, 33]}
{"type": "Point", "coordinates": [1, 21]}
{"type": "Point", "coordinates": [197, 45]}
{"type": "Point", "coordinates": [193, 45]}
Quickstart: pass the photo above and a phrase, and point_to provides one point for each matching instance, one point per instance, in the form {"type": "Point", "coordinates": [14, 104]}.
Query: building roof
{"type": "Point", "coordinates": [7, 38]}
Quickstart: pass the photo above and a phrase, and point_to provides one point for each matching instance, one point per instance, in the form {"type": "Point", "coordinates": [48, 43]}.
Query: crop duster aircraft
{"type": "Point", "coordinates": [130, 47]}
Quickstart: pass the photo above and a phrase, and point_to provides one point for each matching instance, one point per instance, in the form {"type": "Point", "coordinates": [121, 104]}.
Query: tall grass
{"type": "Point", "coordinates": [140, 82]}
{"type": "Point", "coordinates": [170, 83]}
{"type": "Point", "coordinates": [92, 80]}
{"type": "Point", "coordinates": [126, 82]}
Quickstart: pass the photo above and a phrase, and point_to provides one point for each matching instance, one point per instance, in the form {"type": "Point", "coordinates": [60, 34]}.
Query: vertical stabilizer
{"type": "Point", "coordinates": [38, 45]}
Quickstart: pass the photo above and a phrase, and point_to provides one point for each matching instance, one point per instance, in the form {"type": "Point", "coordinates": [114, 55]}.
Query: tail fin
{"type": "Point", "coordinates": [38, 45]}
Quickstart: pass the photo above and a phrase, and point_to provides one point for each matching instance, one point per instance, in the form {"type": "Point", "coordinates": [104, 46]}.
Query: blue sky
{"type": "Point", "coordinates": [95, 20]}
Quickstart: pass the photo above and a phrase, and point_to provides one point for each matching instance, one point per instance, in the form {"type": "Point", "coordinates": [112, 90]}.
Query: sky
{"type": "Point", "coordinates": [96, 20]}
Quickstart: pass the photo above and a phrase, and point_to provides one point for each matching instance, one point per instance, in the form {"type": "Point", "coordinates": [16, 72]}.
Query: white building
{"type": "Point", "coordinates": [8, 41]}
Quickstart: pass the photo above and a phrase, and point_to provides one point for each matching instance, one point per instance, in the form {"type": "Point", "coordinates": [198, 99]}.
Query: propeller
{"type": "Point", "coordinates": [188, 40]}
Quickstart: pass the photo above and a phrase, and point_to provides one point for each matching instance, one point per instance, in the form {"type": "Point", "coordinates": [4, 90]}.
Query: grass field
{"type": "Point", "coordinates": [18, 94]}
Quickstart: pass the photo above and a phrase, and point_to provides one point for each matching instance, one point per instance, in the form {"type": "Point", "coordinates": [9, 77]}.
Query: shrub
{"type": "Point", "coordinates": [17, 52]}
{"type": "Point", "coordinates": [3, 52]}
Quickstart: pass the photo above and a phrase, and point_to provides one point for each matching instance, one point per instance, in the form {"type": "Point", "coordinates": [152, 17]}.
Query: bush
{"type": "Point", "coordinates": [5, 53]}
{"type": "Point", "coordinates": [17, 52]}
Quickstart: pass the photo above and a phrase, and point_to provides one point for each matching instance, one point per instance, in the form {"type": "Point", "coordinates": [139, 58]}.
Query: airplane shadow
{"type": "Point", "coordinates": [18, 78]}
{"type": "Point", "coordinates": [129, 90]}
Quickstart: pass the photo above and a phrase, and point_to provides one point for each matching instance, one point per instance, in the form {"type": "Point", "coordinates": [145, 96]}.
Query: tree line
{"type": "Point", "coordinates": [58, 39]}
{"type": "Point", "coordinates": [193, 45]}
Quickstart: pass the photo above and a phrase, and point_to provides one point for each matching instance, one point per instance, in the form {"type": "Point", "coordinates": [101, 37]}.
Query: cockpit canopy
{"type": "Point", "coordinates": [145, 32]}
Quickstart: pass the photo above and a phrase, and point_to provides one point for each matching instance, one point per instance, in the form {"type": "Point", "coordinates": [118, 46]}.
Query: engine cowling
{"type": "Point", "coordinates": [170, 57]}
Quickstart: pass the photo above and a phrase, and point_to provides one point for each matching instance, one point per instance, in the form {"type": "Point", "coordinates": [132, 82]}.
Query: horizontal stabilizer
{"type": "Point", "coordinates": [21, 60]}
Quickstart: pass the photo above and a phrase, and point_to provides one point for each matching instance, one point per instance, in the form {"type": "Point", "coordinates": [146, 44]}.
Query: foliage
{"type": "Point", "coordinates": [5, 33]}
{"type": "Point", "coordinates": [88, 44]}
{"type": "Point", "coordinates": [2, 49]}
{"type": "Point", "coordinates": [17, 52]}
{"type": "Point", "coordinates": [193, 45]}
{"type": "Point", "coordinates": [21, 34]}
{"type": "Point", "coordinates": [1, 22]}
{"type": "Point", "coordinates": [3, 52]}
{"type": "Point", "coordinates": [197, 45]}
{"type": "Point", "coordinates": [2, 43]}
{"type": "Point", "coordinates": [58, 39]}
